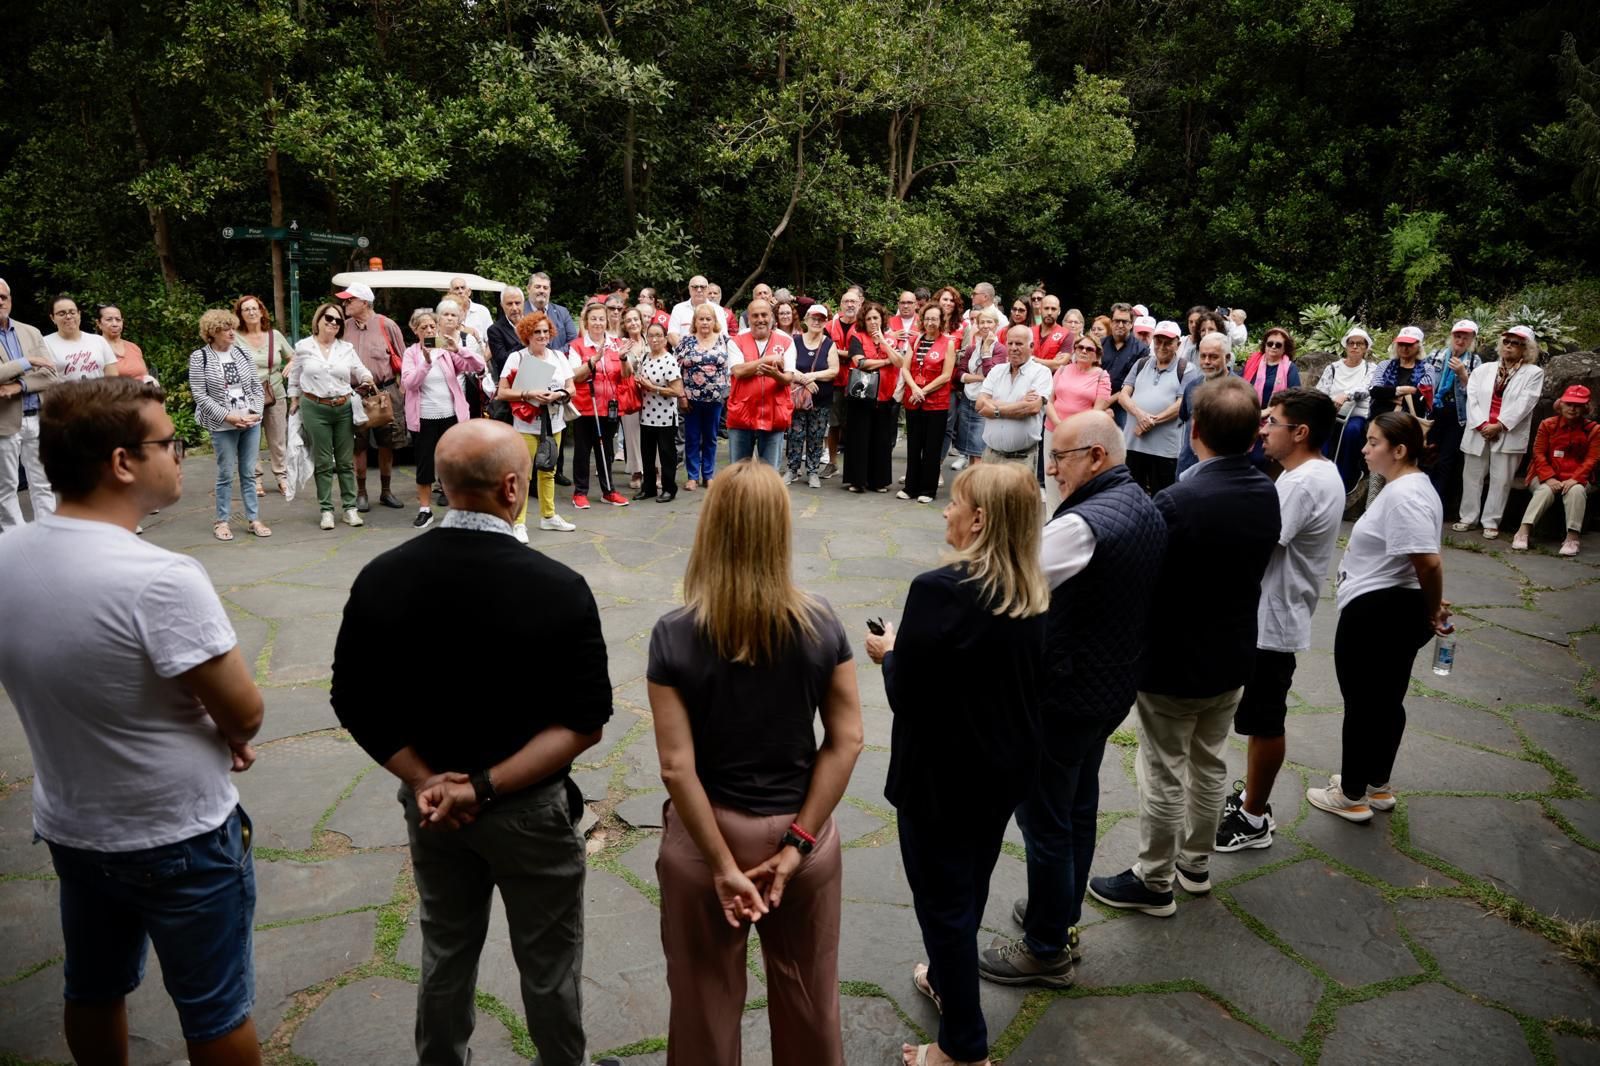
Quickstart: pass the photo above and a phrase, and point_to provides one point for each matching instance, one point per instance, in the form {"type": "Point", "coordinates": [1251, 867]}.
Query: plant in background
{"type": "Point", "coordinates": [658, 251]}
{"type": "Point", "coordinates": [1324, 327]}
{"type": "Point", "coordinates": [1554, 336]}
{"type": "Point", "coordinates": [1416, 253]}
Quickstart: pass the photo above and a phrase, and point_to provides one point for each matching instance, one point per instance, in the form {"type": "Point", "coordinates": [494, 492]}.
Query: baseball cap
{"type": "Point", "coordinates": [1167, 329]}
{"type": "Point", "coordinates": [1464, 325]}
{"type": "Point", "coordinates": [1520, 331]}
{"type": "Point", "coordinates": [817, 309]}
{"type": "Point", "coordinates": [357, 291]}
{"type": "Point", "coordinates": [1143, 324]}
{"type": "Point", "coordinates": [1356, 331]}
{"type": "Point", "coordinates": [1409, 335]}
{"type": "Point", "coordinates": [1578, 394]}
{"type": "Point", "coordinates": [1142, 311]}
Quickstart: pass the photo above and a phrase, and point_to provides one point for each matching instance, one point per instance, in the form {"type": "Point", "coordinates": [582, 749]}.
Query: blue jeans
{"type": "Point", "coordinates": [1058, 830]}
{"type": "Point", "coordinates": [195, 899]}
{"type": "Point", "coordinates": [763, 445]}
{"type": "Point", "coordinates": [237, 452]}
{"type": "Point", "coordinates": [700, 439]}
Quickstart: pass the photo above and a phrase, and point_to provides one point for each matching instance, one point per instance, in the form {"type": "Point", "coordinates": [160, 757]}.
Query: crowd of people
{"type": "Point", "coordinates": [1063, 613]}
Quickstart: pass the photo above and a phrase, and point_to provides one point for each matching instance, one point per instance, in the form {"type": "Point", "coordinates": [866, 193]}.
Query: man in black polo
{"type": "Point", "coordinates": [484, 781]}
{"type": "Point", "coordinates": [1119, 351]}
{"type": "Point", "coordinates": [1101, 552]}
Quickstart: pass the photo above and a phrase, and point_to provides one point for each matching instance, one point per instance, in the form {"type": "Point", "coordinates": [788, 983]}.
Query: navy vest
{"type": "Point", "coordinates": [1095, 629]}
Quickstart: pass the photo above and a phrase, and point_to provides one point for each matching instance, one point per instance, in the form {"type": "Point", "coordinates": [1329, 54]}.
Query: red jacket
{"type": "Point", "coordinates": [594, 396]}
{"type": "Point", "coordinates": [867, 348]}
{"type": "Point", "coordinates": [1564, 451]}
{"type": "Point", "coordinates": [1049, 345]}
{"type": "Point", "coordinates": [937, 361]}
{"type": "Point", "coordinates": [841, 334]}
{"type": "Point", "coordinates": [758, 401]}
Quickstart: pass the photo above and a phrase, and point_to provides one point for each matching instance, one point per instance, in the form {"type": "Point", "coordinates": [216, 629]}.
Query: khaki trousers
{"type": "Point", "coordinates": [1574, 500]}
{"type": "Point", "coordinates": [706, 972]}
{"type": "Point", "coordinates": [1182, 781]}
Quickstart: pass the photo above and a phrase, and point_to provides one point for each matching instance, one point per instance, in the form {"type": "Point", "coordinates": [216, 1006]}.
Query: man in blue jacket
{"type": "Point", "coordinates": [1222, 525]}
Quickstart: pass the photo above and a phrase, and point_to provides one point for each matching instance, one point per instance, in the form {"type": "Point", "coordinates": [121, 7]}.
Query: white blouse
{"type": "Point", "coordinates": [1339, 377]}
{"type": "Point", "coordinates": [327, 374]}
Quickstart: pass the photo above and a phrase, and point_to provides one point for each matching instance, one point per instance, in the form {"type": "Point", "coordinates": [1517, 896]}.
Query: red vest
{"type": "Point", "coordinates": [594, 396]}
{"type": "Point", "coordinates": [758, 401]}
{"type": "Point", "coordinates": [841, 335]}
{"type": "Point", "coordinates": [889, 375]}
{"type": "Point", "coordinates": [1049, 345]}
{"type": "Point", "coordinates": [939, 358]}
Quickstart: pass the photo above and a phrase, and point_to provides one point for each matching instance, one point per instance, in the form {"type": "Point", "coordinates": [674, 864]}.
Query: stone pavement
{"type": "Point", "coordinates": [1443, 932]}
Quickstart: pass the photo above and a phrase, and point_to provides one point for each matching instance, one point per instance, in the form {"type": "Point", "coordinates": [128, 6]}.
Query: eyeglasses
{"type": "Point", "coordinates": [333, 320]}
{"type": "Point", "coordinates": [1091, 349]}
{"type": "Point", "coordinates": [1273, 344]}
{"type": "Point", "coordinates": [174, 444]}
{"type": "Point", "coordinates": [1061, 457]}
{"type": "Point", "coordinates": [697, 286]}
{"type": "Point", "coordinates": [1122, 321]}
{"type": "Point", "coordinates": [1037, 299]}
{"type": "Point", "coordinates": [73, 313]}
{"type": "Point", "coordinates": [540, 332]}
{"type": "Point", "coordinates": [1515, 342]}
{"type": "Point", "coordinates": [1272, 423]}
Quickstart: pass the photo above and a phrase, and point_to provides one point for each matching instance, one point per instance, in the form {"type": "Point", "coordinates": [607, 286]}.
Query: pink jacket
{"type": "Point", "coordinates": [414, 366]}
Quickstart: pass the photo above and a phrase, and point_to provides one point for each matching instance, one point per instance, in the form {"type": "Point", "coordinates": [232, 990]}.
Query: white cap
{"type": "Point", "coordinates": [1168, 329]}
{"type": "Point", "coordinates": [1143, 322]}
{"type": "Point", "coordinates": [817, 309]}
{"type": "Point", "coordinates": [1464, 325]}
{"type": "Point", "coordinates": [1356, 331]}
{"type": "Point", "coordinates": [357, 291]}
{"type": "Point", "coordinates": [1521, 331]}
{"type": "Point", "coordinates": [1411, 334]}
{"type": "Point", "coordinates": [1142, 311]}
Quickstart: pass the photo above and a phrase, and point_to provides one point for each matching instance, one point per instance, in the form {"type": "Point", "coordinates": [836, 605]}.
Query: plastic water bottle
{"type": "Point", "coordinates": [1444, 651]}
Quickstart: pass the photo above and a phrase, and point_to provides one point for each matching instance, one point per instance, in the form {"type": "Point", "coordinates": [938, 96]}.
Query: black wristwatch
{"type": "Point", "coordinates": [483, 788]}
{"type": "Point", "coordinates": [798, 842]}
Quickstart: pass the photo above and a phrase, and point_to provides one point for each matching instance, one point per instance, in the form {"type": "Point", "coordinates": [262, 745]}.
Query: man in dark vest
{"type": "Point", "coordinates": [1223, 523]}
{"type": "Point", "coordinates": [1101, 553]}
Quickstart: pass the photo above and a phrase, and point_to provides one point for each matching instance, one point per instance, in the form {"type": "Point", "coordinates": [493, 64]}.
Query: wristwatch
{"type": "Point", "coordinates": [483, 788]}
{"type": "Point", "coordinates": [798, 842]}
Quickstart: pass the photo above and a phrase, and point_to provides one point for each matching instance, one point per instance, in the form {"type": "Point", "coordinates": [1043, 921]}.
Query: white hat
{"type": "Point", "coordinates": [1168, 329]}
{"type": "Point", "coordinates": [1464, 325]}
{"type": "Point", "coordinates": [817, 309]}
{"type": "Point", "coordinates": [357, 291]}
{"type": "Point", "coordinates": [1142, 311]}
{"type": "Point", "coordinates": [1143, 322]}
{"type": "Point", "coordinates": [1356, 331]}
{"type": "Point", "coordinates": [1409, 335]}
{"type": "Point", "coordinates": [1520, 331]}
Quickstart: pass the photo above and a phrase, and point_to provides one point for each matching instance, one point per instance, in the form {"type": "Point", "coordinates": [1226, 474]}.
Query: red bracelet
{"type": "Point", "coordinates": [794, 827]}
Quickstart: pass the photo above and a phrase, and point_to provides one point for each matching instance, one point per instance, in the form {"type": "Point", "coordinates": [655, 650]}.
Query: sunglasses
{"type": "Point", "coordinates": [1273, 344]}
{"type": "Point", "coordinates": [333, 320]}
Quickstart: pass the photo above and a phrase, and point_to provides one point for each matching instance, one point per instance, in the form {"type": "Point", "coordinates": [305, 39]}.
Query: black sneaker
{"type": "Point", "coordinates": [1235, 833]}
{"type": "Point", "coordinates": [1019, 914]}
{"type": "Point", "coordinates": [439, 499]}
{"type": "Point", "coordinates": [1127, 891]}
{"type": "Point", "coordinates": [1194, 882]}
{"type": "Point", "coordinates": [1013, 964]}
{"type": "Point", "coordinates": [423, 520]}
{"type": "Point", "coordinates": [564, 481]}
{"type": "Point", "coordinates": [1234, 802]}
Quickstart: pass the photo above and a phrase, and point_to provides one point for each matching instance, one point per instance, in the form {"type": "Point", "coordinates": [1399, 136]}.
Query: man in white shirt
{"type": "Point", "coordinates": [477, 318]}
{"type": "Point", "coordinates": [137, 704]}
{"type": "Point", "coordinates": [681, 324]}
{"type": "Point", "coordinates": [982, 296]}
{"type": "Point", "coordinates": [1012, 402]}
{"type": "Point", "coordinates": [1311, 499]}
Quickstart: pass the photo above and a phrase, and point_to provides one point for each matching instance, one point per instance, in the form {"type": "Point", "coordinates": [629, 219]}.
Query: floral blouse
{"type": "Point", "coordinates": [705, 373]}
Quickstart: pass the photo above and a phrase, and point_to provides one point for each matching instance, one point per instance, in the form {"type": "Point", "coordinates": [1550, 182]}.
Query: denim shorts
{"type": "Point", "coordinates": [195, 899]}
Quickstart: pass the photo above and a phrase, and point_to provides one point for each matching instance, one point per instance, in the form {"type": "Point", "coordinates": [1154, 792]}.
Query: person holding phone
{"type": "Point", "coordinates": [228, 401]}
{"type": "Point", "coordinates": [430, 381]}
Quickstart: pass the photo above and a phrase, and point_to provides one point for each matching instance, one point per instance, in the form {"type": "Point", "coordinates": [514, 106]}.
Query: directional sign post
{"type": "Point", "coordinates": [319, 252]}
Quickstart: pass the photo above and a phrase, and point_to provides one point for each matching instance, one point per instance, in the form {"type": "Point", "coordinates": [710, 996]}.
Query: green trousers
{"type": "Point", "coordinates": [332, 448]}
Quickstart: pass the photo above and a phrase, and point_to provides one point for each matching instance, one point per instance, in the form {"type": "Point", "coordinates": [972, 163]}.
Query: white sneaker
{"type": "Point", "coordinates": [557, 524]}
{"type": "Point", "coordinates": [352, 517]}
{"type": "Point", "coordinates": [1333, 800]}
{"type": "Point", "coordinates": [816, 482]}
{"type": "Point", "coordinates": [924, 499]}
{"type": "Point", "coordinates": [789, 477]}
{"type": "Point", "coordinates": [959, 463]}
{"type": "Point", "coordinates": [520, 531]}
{"type": "Point", "coordinates": [326, 521]}
{"type": "Point", "coordinates": [901, 495]}
{"type": "Point", "coordinates": [1380, 798]}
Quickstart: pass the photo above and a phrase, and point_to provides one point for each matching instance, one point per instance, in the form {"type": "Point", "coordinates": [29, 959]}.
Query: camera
{"type": "Point", "coordinates": [435, 341]}
{"type": "Point", "coordinates": [611, 409]}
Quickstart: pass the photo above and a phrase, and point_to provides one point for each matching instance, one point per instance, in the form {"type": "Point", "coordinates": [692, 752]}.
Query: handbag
{"type": "Point", "coordinates": [801, 397]}
{"type": "Point", "coordinates": [545, 457]}
{"type": "Point", "coordinates": [270, 397]}
{"type": "Point", "coordinates": [379, 409]}
{"type": "Point", "coordinates": [863, 384]}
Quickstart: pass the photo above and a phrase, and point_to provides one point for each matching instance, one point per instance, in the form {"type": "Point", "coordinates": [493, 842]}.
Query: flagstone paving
{"type": "Point", "coordinates": [1440, 933]}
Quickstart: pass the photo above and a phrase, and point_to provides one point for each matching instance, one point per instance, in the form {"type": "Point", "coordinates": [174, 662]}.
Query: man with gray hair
{"type": "Point", "coordinates": [1101, 552]}
{"type": "Point", "coordinates": [26, 370]}
{"type": "Point", "coordinates": [1212, 355]}
{"type": "Point", "coordinates": [502, 342]}
{"type": "Point", "coordinates": [681, 324]}
{"type": "Point", "coordinates": [475, 318]}
{"type": "Point", "coordinates": [563, 333]}
{"type": "Point", "coordinates": [1011, 401]}
{"type": "Point", "coordinates": [982, 296]}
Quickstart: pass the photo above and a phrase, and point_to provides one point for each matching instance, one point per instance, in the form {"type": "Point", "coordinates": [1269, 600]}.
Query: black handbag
{"type": "Point", "coordinates": [863, 384]}
{"type": "Point", "coordinates": [545, 457]}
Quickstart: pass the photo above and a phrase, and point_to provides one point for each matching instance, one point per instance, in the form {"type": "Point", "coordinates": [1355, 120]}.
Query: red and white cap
{"type": "Point", "coordinates": [1143, 324]}
{"type": "Point", "coordinates": [1520, 331]}
{"type": "Point", "coordinates": [1168, 329]}
{"type": "Point", "coordinates": [357, 291]}
{"type": "Point", "coordinates": [1464, 325]}
{"type": "Point", "coordinates": [1141, 310]}
{"type": "Point", "coordinates": [817, 309]}
{"type": "Point", "coordinates": [1409, 335]}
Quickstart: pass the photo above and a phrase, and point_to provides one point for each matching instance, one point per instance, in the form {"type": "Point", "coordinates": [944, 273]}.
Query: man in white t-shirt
{"type": "Point", "coordinates": [137, 704]}
{"type": "Point", "coordinates": [1311, 500]}
{"type": "Point", "coordinates": [77, 354]}
{"type": "Point", "coordinates": [681, 324]}
{"type": "Point", "coordinates": [476, 318]}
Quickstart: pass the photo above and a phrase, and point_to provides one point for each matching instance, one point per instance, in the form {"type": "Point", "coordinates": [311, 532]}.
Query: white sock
{"type": "Point", "coordinates": [425, 510]}
{"type": "Point", "coordinates": [1256, 820]}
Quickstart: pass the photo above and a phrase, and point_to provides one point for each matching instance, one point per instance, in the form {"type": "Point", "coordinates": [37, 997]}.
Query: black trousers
{"type": "Point", "coordinates": [592, 441]}
{"type": "Point", "coordinates": [662, 442]}
{"type": "Point", "coordinates": [924, 448]}
{"type": "Point", "coordinates": [1379, 635]}
{"type": "Point", "coordinates": [1446, 473]}
{"type": "Point", "coordinates": [1152, 472]}
{"type": "Point", "coordinates": [424, 441]}
{"type": "Point", "coordinates": [869, 431]}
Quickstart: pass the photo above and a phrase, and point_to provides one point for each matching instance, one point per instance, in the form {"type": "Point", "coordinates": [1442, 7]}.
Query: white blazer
{"type": "Point", "coordinates": [1516, 408]}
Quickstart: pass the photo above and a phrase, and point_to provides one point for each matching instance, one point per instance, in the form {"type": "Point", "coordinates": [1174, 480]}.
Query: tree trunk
{"type": "Point", "coordinates": [629, 202]}
{"type": "Point", "coordinates": [275, 202]}
{"type": "Point", "coordinates": [160, 234]}
{"type": "Point", "coordinates": [783, 223]}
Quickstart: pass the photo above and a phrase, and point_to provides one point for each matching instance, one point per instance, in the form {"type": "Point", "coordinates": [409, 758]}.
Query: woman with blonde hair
{"type": "Point", "coordinates": [965, 745]}
{"type": "Point", "coordinates": [228, 401]}
{"type": "Point", "coordinates": [736, 678]}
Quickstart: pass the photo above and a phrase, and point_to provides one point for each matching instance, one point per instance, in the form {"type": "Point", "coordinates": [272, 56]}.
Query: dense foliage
{"type": "Point", "coordinates": [1396, 157]}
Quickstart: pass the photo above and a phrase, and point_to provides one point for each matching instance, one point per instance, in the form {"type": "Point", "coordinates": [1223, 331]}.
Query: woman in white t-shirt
{"type": "Point", "coordinates": [1391, 602]}
{"type": "Point", "coordinates": [660, 382]}
{"type": "Point", "coordinates": [537, 411]}
{"type": "Point", "coordinates": [78, 355]}
{"type": "Point", "coordinates": [1348, 382]}
{"type": "Point", "coordinates": [430, 381]}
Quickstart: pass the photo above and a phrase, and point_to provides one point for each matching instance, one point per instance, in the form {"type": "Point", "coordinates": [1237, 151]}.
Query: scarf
{"type": "Point", "coordinates": [1257, 376]}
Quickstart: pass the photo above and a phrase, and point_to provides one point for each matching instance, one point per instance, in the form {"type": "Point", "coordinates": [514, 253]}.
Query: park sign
{"type": "Point", "coordinates": [318, 253]}
{"type": "Point", "coordinates": [342, 240]}
{"type": "Point", "coordinates": [254, 233]}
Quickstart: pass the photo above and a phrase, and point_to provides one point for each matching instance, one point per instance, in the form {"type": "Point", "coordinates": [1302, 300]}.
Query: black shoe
{"type": "Point", "coordinates": [1127, 891]}
{"type": "Point", "coordinates": [643, 494]}
{"type": "Point", "coordinates": [1014, 964]}
{"type": "Point", "coordinates": [361, 503]}
{"type": "Point", "coordinates": [388, 500]}
{"type": "Point", "coordinates": [439, 499]}
{"type": "Point", "coordinates": [1194, 882]}
{"type": "Point", "coordinates": [423, 520]}
{"type": "Point", "coordinates": [666, 497]}
{"type": "Point", "coordinates": [1235, 833]}
{"type": "Point", "coordinates": [564, 481]}
{"type": "Point", "coordinates": [1234, 802]}
{"type": "Point", "coordinates": [1019, 914]}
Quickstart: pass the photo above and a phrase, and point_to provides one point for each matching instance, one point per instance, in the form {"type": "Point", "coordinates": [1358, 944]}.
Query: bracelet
{"type": "Point", "coordinates": [795, 828]}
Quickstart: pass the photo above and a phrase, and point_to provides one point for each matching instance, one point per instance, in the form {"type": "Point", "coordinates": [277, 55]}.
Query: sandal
{"type": "Point", "coordinates": [922, 1054]}
{"type": "Point", "coordinates": [919, 977]}
{"type": "Point", "coordinates": [283, 486]}
{"type": "Point", "coordinates": [222, 531]}
{"type": "Point", "coordinates": [259, 528]}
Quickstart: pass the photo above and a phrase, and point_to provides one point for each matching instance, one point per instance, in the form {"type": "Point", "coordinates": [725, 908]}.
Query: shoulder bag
{"type": "Point", "coordinates": [379, 408]}
{"type": "Point", "coordinates": [545, 457]}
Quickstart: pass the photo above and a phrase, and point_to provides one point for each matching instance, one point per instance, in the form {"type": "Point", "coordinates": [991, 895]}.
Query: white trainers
{"type": "Point", "coordinates": [789, 477]}
{"type": "Point", "coordinates": [959, 463]}
{"type": "Point", "coordinates": [1380, 798]}
{"type": "Point", "coordinates": [816, 482]}
{"type": "Point", "coordinates": [326, 521]}
{"type": "Point", "coordinates": [557, 524]}
{"type": "Point", "coordinates": [352, 517]}
{"type": "Point", "coordinates": [520, 531]}
{"type": "Point", "coordinates": [1333, 800]}
{"type": "Point", "coordinates": [924, 499]}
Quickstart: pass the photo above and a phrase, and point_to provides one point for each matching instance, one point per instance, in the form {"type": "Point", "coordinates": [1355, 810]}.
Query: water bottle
{"type": "Point", "coordinates": [1444, 651]}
